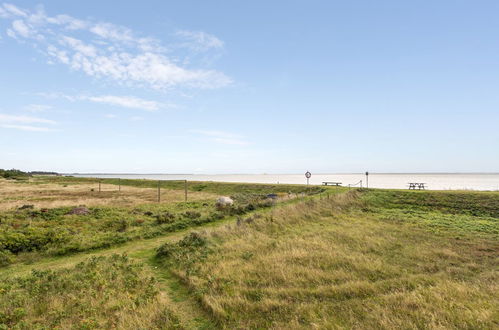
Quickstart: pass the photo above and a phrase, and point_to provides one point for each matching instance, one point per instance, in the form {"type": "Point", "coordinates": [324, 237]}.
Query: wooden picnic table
{"type": "Point", "coordinates": [329, 183]}
{"type": "Point", "coordinates": [417, 185]}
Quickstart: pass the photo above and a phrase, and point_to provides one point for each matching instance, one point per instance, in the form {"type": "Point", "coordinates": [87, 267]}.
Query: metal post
{"type": "Point", "coordinates": [367, 179]}
{"type": "Point", "coordinates": [185, 189]}
{"type": "Point", "coordinates": [159, 191]}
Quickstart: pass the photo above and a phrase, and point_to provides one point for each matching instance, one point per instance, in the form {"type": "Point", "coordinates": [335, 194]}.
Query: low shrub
{"type": "Point", "coordinates": [165, 217]}
{"type": "Point", "coordinates": [192, 215]}
{"type": "Point", "coordinates": [102, 292]}
{"type": "Point", "coordinates": [186, 252]}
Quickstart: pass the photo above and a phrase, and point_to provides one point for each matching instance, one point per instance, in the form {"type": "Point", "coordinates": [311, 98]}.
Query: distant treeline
{"type": "Point", "coordinates": [20, 175]}
{"type": "Point", "coordinates": [43, 173]}
{"type": "Point", "coordinates": [13, 174]}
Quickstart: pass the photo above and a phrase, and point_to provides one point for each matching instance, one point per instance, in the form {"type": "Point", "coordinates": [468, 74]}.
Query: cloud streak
{"type": "Point", "coordinates": [27, 128]}
{"type": "Point", "coordinates": [126, 101]}
{"type": "Point", "coordinates": [222, 137]}
{"type": "Point", "coordinates": [24, 120]}
{"type": "Point", "coordinates": [38, 107]}
{"type": "Point", "coordinates": [114, 100]}
{"type": "Point", "coordinates": [22, 123]}
{"type": "Point", "coordinates": [199, 40]}
{"type": "Point", "coordinates": [107, 51]}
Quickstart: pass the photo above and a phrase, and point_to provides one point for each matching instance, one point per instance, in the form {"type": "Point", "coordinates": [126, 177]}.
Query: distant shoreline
{"type": "Point", "coordinates": [318, 173]}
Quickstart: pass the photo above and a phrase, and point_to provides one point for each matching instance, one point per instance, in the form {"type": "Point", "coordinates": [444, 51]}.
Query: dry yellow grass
{"type": "Point", "coordinates": [321, 265]}
{"type": "Point", "coordinates": [49, 195]}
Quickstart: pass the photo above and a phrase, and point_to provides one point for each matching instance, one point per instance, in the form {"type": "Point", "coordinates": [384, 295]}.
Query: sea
{"type": "Point", "coordinates": [432, 181]}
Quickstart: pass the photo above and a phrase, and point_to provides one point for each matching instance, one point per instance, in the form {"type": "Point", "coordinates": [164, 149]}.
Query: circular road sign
{"type": "Point", "coordinates": [308, 175]}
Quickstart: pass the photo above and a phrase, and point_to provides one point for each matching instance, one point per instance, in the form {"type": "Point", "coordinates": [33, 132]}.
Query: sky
{"type": "Point", "coordinates": [249, 86]}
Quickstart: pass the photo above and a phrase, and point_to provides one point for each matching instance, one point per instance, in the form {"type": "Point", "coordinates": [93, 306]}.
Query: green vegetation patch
{"type": "Point", "coordinates": [28, 232]}
{"type": "Point", "coordinates": [102, 292]}
{"type": "Point", "coordinates": [14, 174]}
{"type": "Point", "coordinates": [464, 213]}
{"type": "Point", "coordinates": [221, 188]}
{"type": "Point", "coordinates": [453, 202]}
{"type": "Point", "coordinates": [334, 264]}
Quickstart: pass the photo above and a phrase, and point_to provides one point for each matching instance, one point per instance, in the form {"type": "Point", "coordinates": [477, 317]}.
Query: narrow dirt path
{"type": "Point", "coordinates": [180, 301]}
{"type": "Point", "coordinates": [172, 292]}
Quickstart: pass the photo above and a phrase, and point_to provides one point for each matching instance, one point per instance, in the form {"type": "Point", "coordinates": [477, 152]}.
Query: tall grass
{"type": "Point", "coordinates": [100, 293]}
{"type": "Point", "coordinates": [342, 263]}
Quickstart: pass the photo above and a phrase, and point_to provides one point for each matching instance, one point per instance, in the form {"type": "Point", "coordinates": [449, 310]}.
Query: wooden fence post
{"type": "Point", "coordinates": [159, 191]}
{"type": "Point", "coordinates": [119, 184]}
{"type": "Point", "coordinates": [185, 189]}
{"type": "Point", "coordinates": [99, 185]}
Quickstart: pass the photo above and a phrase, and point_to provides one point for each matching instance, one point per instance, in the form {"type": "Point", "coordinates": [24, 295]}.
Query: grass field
{"type": "Point", "coordinates": [48, 216]}
{"type": "Point", "coordinates": [362, 260]}
{"type": "Point", "coordinates": [334, 258]}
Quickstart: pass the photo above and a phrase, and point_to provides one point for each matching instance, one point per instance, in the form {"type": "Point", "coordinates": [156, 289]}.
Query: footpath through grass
{"type": "Point", "coordinates": [168, 304]}
{"type": "Point", "coordinates": [362, 260]}
{"type": "Point", "coordinates": [359, 259]}
{"type": "Point", "coordinates": [29, 231]}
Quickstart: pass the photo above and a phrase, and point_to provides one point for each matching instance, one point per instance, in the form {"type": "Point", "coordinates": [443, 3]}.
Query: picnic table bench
{"type": "Point", "coordinates": [329, 183]}
{"type": "Point", "coordinates": [417, 185]}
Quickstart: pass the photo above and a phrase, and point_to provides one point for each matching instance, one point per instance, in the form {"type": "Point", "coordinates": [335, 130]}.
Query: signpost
{"type": "Point", "coordinates": [308, 175]}
{"type": "Point", "coordinates": [367, 179]}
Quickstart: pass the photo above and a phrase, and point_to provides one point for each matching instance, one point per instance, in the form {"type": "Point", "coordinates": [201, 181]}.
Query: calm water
{"type": "Point", "coordinates": [397, 181]}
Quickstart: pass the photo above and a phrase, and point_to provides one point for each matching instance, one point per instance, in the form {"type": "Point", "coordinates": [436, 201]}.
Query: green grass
{"type": "Point", "coordinates": [463, 213]}
{"type": "Point", "coordinates": [452, 202]}
{"type": "Point", "coordinates": [365, 259]}
{"type": "Point", "coordinates": [102, 292]}
{"type": "Point", "coordinates": [29, 233]}
{"type": "Point", "coordinates": [375, 259]}
{"type": "Point", "coordinates": [221, 188]}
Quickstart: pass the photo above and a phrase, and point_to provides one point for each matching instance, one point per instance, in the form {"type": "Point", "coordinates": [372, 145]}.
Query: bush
{"type": "Point", "coordinates": [192, 215]}
{"type": "Point", "coordinates": [164, 250]}
{"type": "Point", "coordinates": [122, 225]}
{"type": "Point", "coordinates": [165, 217]}
{"type": "Point", "coordinates": [193, 240]}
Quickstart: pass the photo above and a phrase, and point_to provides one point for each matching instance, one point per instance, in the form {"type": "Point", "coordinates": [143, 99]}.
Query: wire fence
{"type": "Point", "coordinates": [358, 184]}
{"type": "Point", "coordinates": [161, 184]}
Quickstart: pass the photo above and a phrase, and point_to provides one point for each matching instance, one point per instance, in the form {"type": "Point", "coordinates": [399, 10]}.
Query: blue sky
{"type": "Point", "coordinates": [249, 86]}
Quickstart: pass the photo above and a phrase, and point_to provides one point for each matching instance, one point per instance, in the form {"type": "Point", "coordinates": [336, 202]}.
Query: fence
{"type": "Point", "coordinates": [159, 186]}
{"type": "Point", "coordinates": [358, 184]}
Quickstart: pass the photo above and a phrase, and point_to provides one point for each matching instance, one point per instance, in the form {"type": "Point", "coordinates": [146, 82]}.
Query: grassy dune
{"type": "Point", "coordinates": [350, 262]}
{"type": "Point", "coordinates": [362, 259]}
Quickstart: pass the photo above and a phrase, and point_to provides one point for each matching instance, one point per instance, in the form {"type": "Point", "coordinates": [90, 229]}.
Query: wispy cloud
{"type": "Point", "coordinates": [114, 100]}
{"type": "Point", "coordinates": [108, 51]}
{"type": "Point", "coordinates": [126, 101]}
{"type": "Point", "coordinates": [24, 119]}
{"type": "Point", "coordinates": [38, 107]}
{"type": "Point", "coordinates": [199, 40]}
{"type": "Point", "coordinates": [20, 123]}
{"type": "Point", "coordinates": [27, 128]}
{"type": "Point", "coordinates": [222, 137]}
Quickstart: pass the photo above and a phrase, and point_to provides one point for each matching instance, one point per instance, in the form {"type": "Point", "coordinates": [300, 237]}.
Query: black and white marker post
{"type": "Point", "coordinates": [308, 175]}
